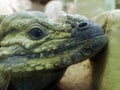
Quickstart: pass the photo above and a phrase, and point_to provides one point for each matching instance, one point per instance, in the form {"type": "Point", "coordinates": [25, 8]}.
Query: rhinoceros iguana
{"type": "Point", "coordinates": [35, 51]}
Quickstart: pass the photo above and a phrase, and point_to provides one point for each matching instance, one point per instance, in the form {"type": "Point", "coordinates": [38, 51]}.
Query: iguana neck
{"type": "Point", "coordinates": [37, 81]}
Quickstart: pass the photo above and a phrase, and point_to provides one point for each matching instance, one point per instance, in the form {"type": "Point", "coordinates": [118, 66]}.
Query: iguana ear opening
{"type": "Point", "coordinates": [2, 17]}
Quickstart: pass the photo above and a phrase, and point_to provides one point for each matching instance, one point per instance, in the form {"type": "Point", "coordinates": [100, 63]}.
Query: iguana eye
{"type": "Point", "coordinates": [36, 33]}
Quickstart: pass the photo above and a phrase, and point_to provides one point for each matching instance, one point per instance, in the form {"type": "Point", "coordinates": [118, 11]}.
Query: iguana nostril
{"type": "Point", "coordinates": [83, 25]}
{"type": "Point", "coordinates": [85, 30]}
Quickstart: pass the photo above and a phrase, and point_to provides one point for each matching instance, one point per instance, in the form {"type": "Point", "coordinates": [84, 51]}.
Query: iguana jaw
{"type": "Point", "coordinates": [85, 40]}
{"type": "Point", "coordinates": [59, 58]}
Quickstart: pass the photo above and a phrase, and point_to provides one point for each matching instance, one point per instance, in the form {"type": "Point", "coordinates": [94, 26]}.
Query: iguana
{"type": "Point", "coordinates": [35, 51]}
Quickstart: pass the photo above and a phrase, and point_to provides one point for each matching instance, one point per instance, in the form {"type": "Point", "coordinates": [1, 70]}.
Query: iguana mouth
{"type": "Point", "coordinates": [62, 48]}
{"type": "Point", "coordinates": [80, 51]}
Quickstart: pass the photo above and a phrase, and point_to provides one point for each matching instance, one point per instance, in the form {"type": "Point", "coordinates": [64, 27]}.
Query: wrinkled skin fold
{"type": "Point", "coordinates": [35, 51]}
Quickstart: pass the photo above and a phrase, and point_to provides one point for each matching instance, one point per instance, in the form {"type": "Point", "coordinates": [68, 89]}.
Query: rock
{"type": "Point", "coordinates": [107, 64]}
{"type": "Point", "coordinates": [77, 77]}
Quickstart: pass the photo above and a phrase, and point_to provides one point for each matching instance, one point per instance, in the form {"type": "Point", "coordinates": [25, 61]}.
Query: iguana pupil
{"type": "Point", "coordinates": [36, 33]}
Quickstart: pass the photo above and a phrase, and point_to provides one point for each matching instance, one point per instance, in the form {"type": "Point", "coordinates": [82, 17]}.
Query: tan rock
{"type": "Point", "coordinates": [109, 69]}
{"type": "Point", "coordinates": [77, 77]}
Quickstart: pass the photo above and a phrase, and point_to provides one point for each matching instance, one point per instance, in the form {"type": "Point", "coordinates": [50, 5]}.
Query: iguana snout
{"type": "Point", "coordinates": [86, 29]}
{"type": "Point", "coordinates": [89, 37]}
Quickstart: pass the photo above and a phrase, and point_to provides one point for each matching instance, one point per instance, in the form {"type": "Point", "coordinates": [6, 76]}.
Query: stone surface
{"type": "Point", "coordinates": [77, 77]}
{"type": "Point", "coordinates": [109, 77]}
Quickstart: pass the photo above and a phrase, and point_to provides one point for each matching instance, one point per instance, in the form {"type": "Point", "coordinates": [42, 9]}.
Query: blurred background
{"type": "Point", "coordinates": [88, 8]}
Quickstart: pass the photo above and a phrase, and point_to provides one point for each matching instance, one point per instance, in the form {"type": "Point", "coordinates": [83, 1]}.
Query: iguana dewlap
{"type": "Point", "coordinates": [35, 51]}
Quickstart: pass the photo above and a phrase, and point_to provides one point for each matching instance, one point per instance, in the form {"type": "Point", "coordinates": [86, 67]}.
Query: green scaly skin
{"type": "Point", "coordinates": [35, 51]}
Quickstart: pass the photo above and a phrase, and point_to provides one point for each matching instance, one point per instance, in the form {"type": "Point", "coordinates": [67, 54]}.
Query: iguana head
{"type": "Point", "coordinates": [29, 41]}
{"type": "Point", "coordinates": [35, 50]}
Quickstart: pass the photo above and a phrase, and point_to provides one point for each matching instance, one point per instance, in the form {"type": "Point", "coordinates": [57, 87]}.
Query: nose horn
{"type": "Point", "coordinates": [86, 29]}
